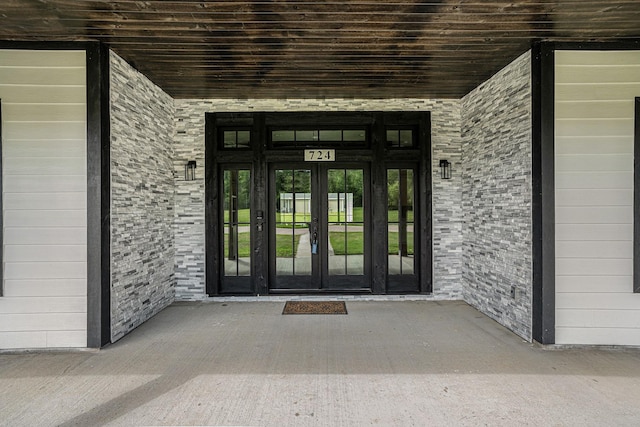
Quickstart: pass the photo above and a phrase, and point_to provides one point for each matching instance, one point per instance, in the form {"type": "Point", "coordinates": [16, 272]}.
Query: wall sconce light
{"type": "Point", "coordinates": [190, 171]}
{"type": "Point", "coordinates": [445, 169]}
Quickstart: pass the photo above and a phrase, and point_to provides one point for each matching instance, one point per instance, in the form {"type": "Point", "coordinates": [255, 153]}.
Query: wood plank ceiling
{"type": "Point", "coordinates": [352, 48]}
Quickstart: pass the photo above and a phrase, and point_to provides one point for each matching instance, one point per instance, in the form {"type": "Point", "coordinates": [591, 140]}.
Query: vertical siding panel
{"type": "Point", "coordinates": [595, 303]}
{"type": "Point", "coordinates": [44, 198]}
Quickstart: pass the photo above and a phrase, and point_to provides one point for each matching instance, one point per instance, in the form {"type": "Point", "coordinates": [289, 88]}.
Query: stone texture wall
{"type": "Point", "coordinates": [496, 197]}
{"type": "Point", "coordinates": [142, 198]}
{"type": "Point", "coordinates": [189, 196]}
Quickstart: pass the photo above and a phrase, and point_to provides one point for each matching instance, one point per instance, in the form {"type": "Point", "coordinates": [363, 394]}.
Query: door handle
{"type": "Point", "coordinates": [314, 237]}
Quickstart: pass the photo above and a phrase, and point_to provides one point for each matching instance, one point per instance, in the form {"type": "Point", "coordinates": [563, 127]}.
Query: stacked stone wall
{"type": "Point", "coordinates": [142, 198]}
{"type": "Point", "coordinates": [496, 197]}
{"type": "Point", "coordinates": [189, 213]}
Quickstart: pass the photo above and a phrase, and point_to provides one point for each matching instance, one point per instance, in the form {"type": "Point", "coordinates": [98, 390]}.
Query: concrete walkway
{"type": "Point", "coordinates": [386, 363]}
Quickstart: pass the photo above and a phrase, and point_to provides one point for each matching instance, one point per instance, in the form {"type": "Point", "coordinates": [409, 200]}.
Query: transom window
{"type": "Point", "coordinates": [293, 137]}
{"type": "Point", "coordinates": [236, 139]}
{"type": "Point", "coordinates": [400, 138]}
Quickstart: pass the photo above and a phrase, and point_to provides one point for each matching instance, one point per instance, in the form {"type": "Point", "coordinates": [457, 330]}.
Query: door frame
{"type": "Point", "coordinates": [262, 153]}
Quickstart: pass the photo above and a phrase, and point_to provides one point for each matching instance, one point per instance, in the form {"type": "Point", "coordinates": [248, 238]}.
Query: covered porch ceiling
{"type": "Point", "coordinates": [319, 49]}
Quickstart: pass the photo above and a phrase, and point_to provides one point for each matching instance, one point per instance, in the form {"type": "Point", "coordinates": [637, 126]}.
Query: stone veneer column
{"type": "Point", "coordinates": [142, 198]}
{"type": "Point", "coordinates": [496, 197]}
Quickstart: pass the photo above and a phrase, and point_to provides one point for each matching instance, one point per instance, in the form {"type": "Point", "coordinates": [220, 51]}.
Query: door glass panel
{"type": "Point", "coordinates": [236, 222]}
{"type": "Point", "coordinates": [400, 221]}
{"type": "Point", "coordinates": [345, 204]}
{"type": "Point", "coordinates": [292, 219]}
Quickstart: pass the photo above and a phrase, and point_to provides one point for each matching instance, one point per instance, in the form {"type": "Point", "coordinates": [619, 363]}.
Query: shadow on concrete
{"type": "Point", "coordinates": [190, 341]}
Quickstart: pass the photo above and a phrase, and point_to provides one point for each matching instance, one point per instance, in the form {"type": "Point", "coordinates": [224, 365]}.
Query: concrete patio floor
{"type": "Point", "coordinates": [388, 363]}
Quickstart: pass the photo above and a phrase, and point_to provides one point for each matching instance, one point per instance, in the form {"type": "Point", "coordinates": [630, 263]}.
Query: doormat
{"type": "Point", "coordinates": [315, 307]}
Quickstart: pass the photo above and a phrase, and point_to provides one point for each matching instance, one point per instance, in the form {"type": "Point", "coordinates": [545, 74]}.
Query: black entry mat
{"type": "Point", "coordinates": [315, 307]}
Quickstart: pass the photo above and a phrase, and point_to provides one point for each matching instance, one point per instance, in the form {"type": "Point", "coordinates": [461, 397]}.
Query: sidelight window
{"type": "Point", "coordinates": [400, 221]}
{"type": "Point", "coordinates": [237, 222]}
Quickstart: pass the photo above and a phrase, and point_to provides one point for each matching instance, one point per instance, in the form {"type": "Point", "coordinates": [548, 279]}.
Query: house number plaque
{"type": "Point", "coordinates": [320, 155]}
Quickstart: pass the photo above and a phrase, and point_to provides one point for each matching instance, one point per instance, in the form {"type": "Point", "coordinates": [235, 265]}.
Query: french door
{"type": "Point", "coordinates": [280, 221]}
{"type": "Point", "coordinates": [319, 227]}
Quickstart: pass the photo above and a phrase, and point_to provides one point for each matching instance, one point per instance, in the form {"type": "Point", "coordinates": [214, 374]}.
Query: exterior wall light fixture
{"type": "Point", "coordinates": [190, 171]}
{"type": "Point", "coordinates": [445, 169]}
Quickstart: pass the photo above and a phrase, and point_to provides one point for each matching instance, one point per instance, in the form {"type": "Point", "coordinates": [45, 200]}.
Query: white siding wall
{"type": "Point", "coordinates": [44, 192]}
{"type": "Point", "coordinates": [594, 108]}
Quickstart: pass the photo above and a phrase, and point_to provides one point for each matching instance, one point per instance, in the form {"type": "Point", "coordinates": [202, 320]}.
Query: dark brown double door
{"type": "Point", "coordinates": [319, 227]}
